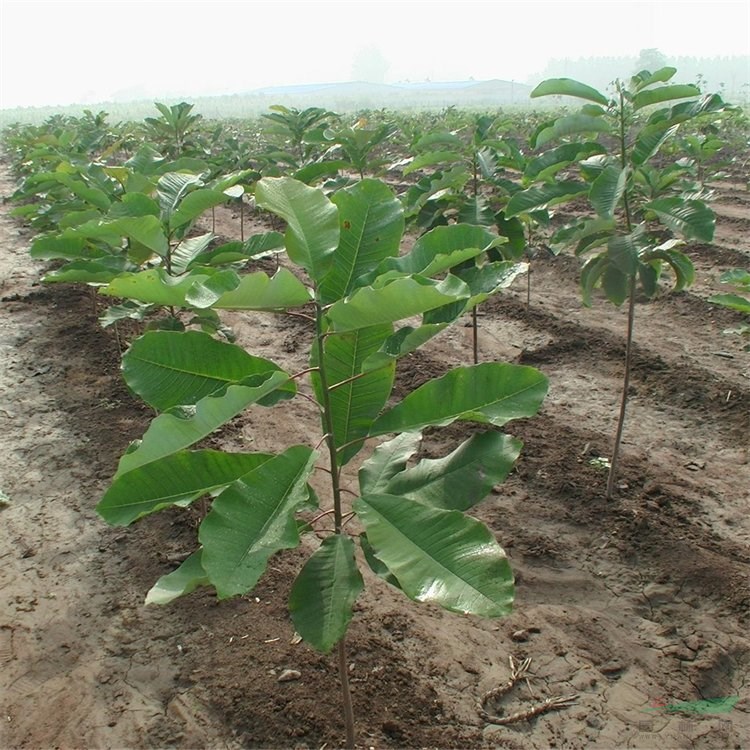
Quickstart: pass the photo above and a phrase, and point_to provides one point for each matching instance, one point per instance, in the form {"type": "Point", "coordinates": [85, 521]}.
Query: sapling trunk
{"type": "Point", "coordinates": [346, 695]}
{"type": "Point", "coordinates": [625, 388]}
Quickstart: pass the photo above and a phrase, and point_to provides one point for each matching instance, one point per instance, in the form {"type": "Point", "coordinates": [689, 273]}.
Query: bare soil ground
{"type": "Point", "coordinates": [636, 605]}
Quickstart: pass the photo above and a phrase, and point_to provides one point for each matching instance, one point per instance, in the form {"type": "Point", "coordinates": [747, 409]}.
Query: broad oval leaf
{"type": "Point", "coordinates": [177, 479]}
{"type": "Point", "coordinates": [575, 124]}
{"type": "Point", "coordinates": [355, 398]}
{"type": "Point", "coordinates": [324, 592]}
{"type": "Point", "coordinates": [490, 393]}
{"type": "Point", "coordinates": [461, 479]}
{"type": "Point", "coordinates": [544, 196]}
{"type": "Point", "coordinates": [313, 227]}
{"type": "Point", "coordinates": [387, 460]}
{"type": "Point", "coordinates": [182, 427]}
{"type": "Point", "coordinates": [371, 222]}
{"type": "Point", "coordinates": [607, 190]}
{"type": "Point", "coordinates": [398, 300]}
{"type": "Point", "coordinates": [648, 97]}
{"type": "Point", "coordinates": [256, 291]}
{"type": "Point", "coordinates": [569, 87]}
{"type": "Point", "coordinates": [167, 368]}
{"type": "Point", "coordinates": [253, 519]}
{"type": "Point", "coordinates": [691, 219]}
{"type": "Point", "coordinates": [438, 556]}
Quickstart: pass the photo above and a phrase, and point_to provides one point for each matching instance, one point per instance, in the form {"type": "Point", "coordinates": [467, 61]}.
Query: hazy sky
{"type": "Point", "coordinates": [59, 52]}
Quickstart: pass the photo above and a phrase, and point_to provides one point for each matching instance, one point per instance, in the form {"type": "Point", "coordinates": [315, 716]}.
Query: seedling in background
{"type": "Point", "coordinates": [630, 129]}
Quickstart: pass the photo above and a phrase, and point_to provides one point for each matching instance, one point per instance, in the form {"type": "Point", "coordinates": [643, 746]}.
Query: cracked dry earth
{"type": "Point", "coordinates": [636, 605]}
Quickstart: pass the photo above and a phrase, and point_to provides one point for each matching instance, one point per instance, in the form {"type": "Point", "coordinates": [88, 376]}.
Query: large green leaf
{"type": "Point", "coordinates": [398, 300]}
{"type": "Point", "coordinates": [576, 124]}
{"type": "Point", "coordinates": [99, 271]}
{"type": "Point", "coordinates": [313, 227]}
{"type": "Point", "coordinates": [181, 427]}
{"type": "Point", "coordinates": [177, 479]}
{"type": "Point", "coordinates": [490, 392]}
{"type": "Point", "coordinates": [172, 189]}
{"type": "Point", "coordinates": [691, 219]}
{"type": "Point", "coordinates": [371, 221]}
{"type": "Point", "coordinates": [257, 291]}
{"type": "Point", "coordinates": [461, 479]}
{"type": "Point", "coordinates": [732, 301]}
{"type": "Point", "coordinates": [488, 279]}
{"type": "Point", "coordinates": [186, 578]}
{"type": "Point", "coordinates": [444, 247]}
{"type": "Point", "coordinates": [355, 398]}
{"type": "Point", "coordinates": [147, 230]}
{"type": "Point", "coordinates": [607, 190]}
{"type": "Point", "coordinates": [253, 519]}
{"type": "Point", "coordinates": [387, 460]}
{"type": "Point", "coordinates": [322, 596]}
{"type": "Point", "coordinates": [546, 165]}
{"type": "Point", "coordinates": [544, 196]}
{"type": "Point", "coordinates": [569, 87]}
{"type": "Point", "coordinates": [64, 248]}
{"type": "Point", "coordinates": [650, 139]}
{"type": "Point", "coordinates": [648, 97]}
{"type": "Point", "coordinates": [169, 368]}
{"type": "Point", "coordinates": [188, 250]}
{"type": "Point", "coordinates": [194, 204]}
{"type": "Point", "coordinates": [403, 342]}
{"type": "Point", "coordinates": [438, 556]}
{"type": "Point", "coordinates": [432, 159]}
{"type": "Point", "coordinates": [155, 286]}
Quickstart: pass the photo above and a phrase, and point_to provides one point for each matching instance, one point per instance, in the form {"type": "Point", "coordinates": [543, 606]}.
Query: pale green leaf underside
{"type": "Point", "coordinates": [438, 556]}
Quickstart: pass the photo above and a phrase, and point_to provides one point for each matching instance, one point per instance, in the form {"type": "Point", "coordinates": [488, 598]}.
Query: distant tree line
{"type": "Point", "coordinates": [727, 75]}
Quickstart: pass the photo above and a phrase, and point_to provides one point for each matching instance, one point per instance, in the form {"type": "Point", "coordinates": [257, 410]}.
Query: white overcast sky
{"type": "Point", "coordinates": [58, 52]}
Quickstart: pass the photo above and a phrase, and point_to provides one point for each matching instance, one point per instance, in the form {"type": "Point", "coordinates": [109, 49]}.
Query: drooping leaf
{"type": "Point", "coordinates": [185, 579]}
{"type": "Point", "coordinates": [387, 460]}
{"type": "Point", "coordinates": [98, 271]}
{"type": "Point", "coordinates": [401, 343]}
{"type": "Point", "coordinates": [461, 479]}
{"type": "Point", "coordinates": [177, 479]}
{"type": "Point", "coordinates": [569, 87]}
{"type": "Point", "coordinates": [181, 427]}
{"type": "Point", "coordinates": [647, 97]}
{"type": "Point", "coordinates": [544, 196]}
{"type": "Point", "coordinates": [691, 219]}
{"type": "Point", "coordinates": [322, 596]}
{"type": "Point", "coordinates": [607, 190]}
{"type": "Point", "coordinates": [490, 393]}
{"type": "Point", "coordinates": [546, 165]}
{"type": "Point", "coordinates": [257, 291]}
{"type": "Point", "coordinates": [194, 204]}
{"type": "Point", "coordinates": [188, 250]}
{"type": "Point", "coordinates": [443, 248]}
{"type": "Point", "coordinates": [732, 301]}
{"type": "Point", "coordinates": [438, 556]}
{"type": "Point", "coordinates": [433, 158]}
{"type": "Point", "coordinates": [398, 300]}
{"type": "Point", "coordinates": [169, 369]}
{"type": "Point", "coordinates": [253, 519]}
{"type": "Point", "coordinates": [576, 124]}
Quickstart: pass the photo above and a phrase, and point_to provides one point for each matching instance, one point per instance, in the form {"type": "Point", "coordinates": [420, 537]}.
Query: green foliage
{"type": "Point", "coordinates": [408, 519]}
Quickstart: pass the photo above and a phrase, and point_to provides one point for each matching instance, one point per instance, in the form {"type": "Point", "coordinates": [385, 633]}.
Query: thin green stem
{"type": "Point", "coordinates": [343, 670]}
{"type": "Point", "coordinates": [625, 388]}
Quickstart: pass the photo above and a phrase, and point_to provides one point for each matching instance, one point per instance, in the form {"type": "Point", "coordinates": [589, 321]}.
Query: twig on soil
{"type": "Point", "coordinates": [518, 672]}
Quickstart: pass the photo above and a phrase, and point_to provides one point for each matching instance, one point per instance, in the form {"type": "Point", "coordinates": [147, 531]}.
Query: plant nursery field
{"type": "Point", "coordinates": [638, 605]}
